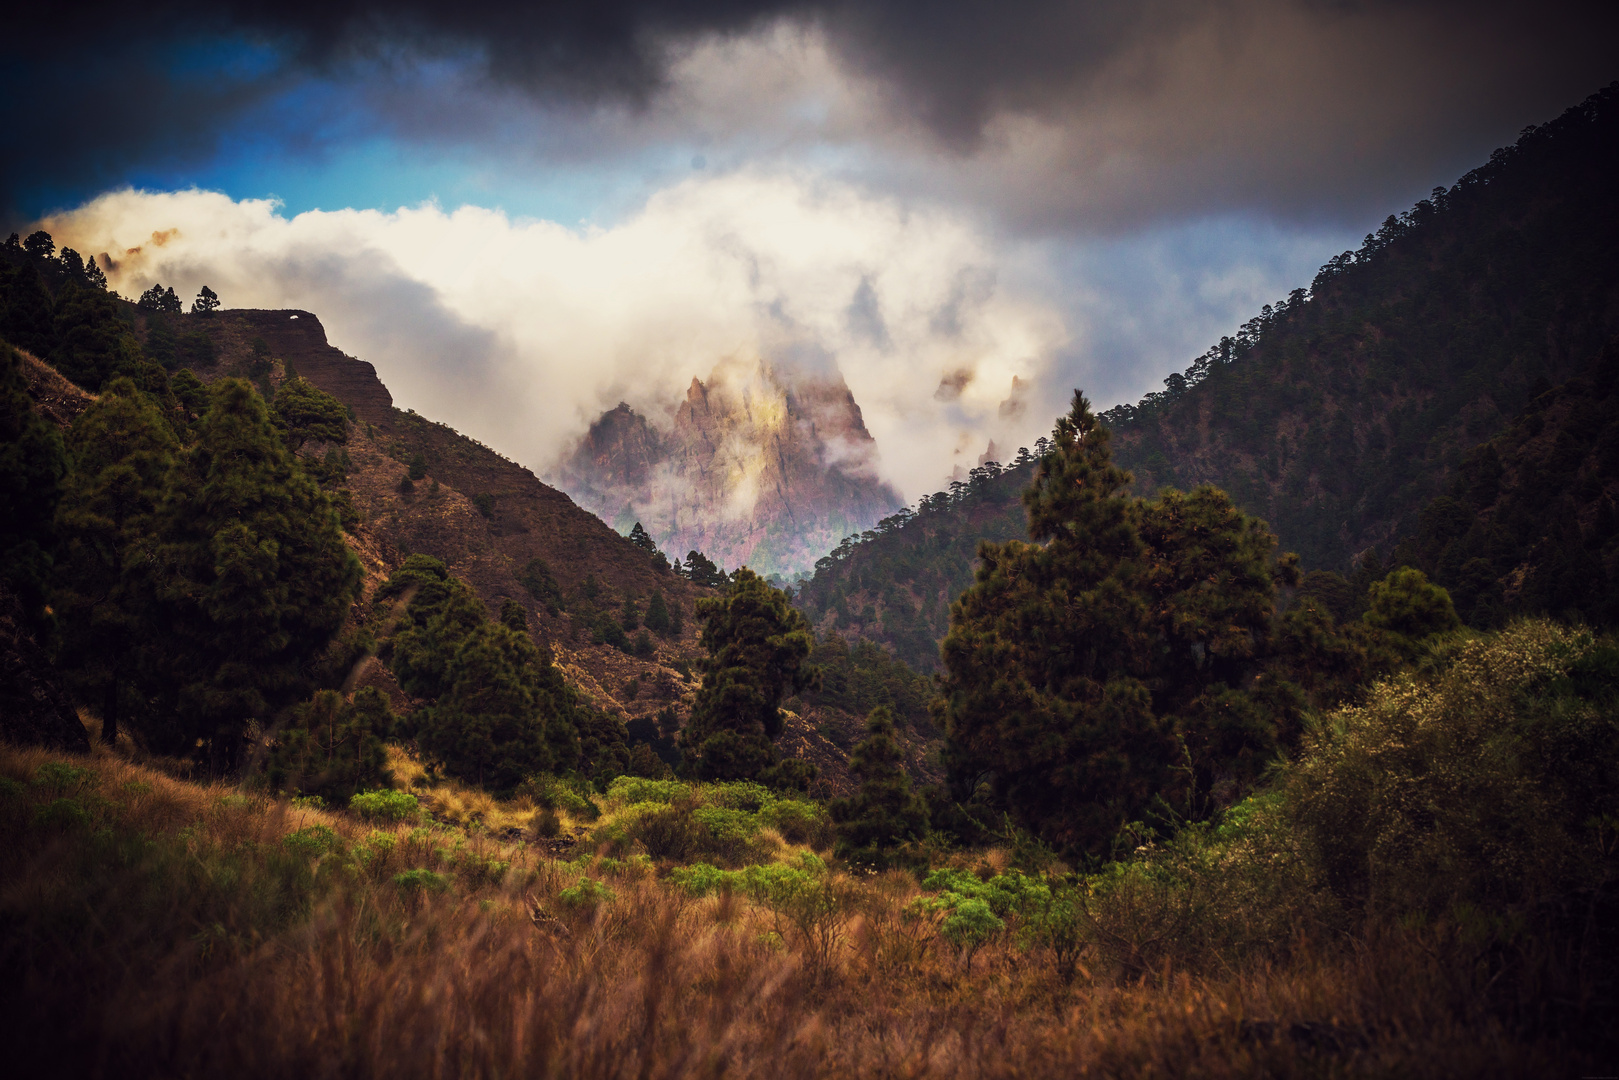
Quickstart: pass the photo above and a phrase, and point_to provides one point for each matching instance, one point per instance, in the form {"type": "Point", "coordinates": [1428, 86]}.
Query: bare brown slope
{"type": "Point", "coordinates": [528, 519]}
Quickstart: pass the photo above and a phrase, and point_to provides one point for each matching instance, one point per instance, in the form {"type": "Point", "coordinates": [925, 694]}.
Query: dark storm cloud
{"type": "Point", "coordinates": [1136, 108]}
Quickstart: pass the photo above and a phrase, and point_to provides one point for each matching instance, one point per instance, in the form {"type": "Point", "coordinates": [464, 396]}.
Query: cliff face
{"type": "Point", "coordinates": [754, 471]}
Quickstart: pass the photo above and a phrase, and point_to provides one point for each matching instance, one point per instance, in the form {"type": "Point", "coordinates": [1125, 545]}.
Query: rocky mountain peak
{"type": "Point", "coordinates": [758, 468]}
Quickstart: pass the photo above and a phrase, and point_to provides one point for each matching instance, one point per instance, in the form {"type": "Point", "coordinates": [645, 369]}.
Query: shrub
{"type": "Point", "coordinates": [627, 790]}
{"type": "Point", "coordinates": [60, 775]}
{"type": "Point", "coordinates": [422, 881]}
{"type": "Point", "coordinates": [63, 814]}
{"type": "Point", "coordinates": [586, 895]}
{"type": "Point", "coordinates": [385, 805]}
{"type": "Point", "coordinates": [799, 821]}
{"type": "Point", "coordinates": [1483, 782]}
{"type": "Point", "coordinates": [311, 842]}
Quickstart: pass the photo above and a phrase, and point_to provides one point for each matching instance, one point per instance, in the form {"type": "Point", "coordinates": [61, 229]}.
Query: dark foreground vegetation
{"type": "Point", "coordinates": [1426, 891]}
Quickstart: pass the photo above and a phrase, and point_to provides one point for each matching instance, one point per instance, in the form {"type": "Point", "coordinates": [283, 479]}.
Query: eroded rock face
{"type": "Point", "coordinates": [34, 710]}
{"type": "Point", "coordinates": [754, 471]}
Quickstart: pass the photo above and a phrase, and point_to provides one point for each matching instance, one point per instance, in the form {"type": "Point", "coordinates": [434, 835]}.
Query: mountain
{"type": "Point", "coordinates": [1345, 415]}
{"type": "Point", "coordinates": [893, 585]}
{"type": "Point", "coordinates": [1337, 414]}
{"type": "Point", "coordinates": [411, 485]}
{"type": "Point", "coordinates": [755, 470]}
{"type": "Point", "coordinates": [1530, 524]}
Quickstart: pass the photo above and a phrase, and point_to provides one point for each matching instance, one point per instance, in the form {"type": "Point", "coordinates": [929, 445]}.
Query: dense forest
{"type": "Point", "coordinates": [1345, 415]}
{"type": "Point", "coordinates": [1338, 413]}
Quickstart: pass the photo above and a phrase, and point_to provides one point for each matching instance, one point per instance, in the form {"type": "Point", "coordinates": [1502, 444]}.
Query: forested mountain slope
{"type": "Point", "coordinates": [1529, 525]}
{"type": "Point", "coordinates": [893, 584]}
{"type": "Point", "coordinates": [1339, 413]}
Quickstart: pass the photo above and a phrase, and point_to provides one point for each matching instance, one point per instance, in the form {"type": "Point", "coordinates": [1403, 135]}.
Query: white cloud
{"type": "Point", "coordinates": [521, 332]}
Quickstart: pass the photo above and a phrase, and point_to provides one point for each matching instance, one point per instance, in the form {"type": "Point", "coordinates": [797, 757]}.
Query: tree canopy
{"type": "Point", "coordinates": [756, 644]}
{"type": "Point", "coordinates": [1120, 659]}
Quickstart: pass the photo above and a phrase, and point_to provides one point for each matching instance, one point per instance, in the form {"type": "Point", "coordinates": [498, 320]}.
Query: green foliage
{"type": "Point", "coordinates": [90, 340]}
{"type": "Point", "coordinates": [643, 540]}
{"type": "Point", "coordinates": [25, 314]}
{"type": "Point", "coordinates": [885, 812]}
{"type": "Point", "coordinates": [1529, 526]}
{"type": "Point", "coordinates": [312, 841]}
{"type": "Point", "coordinates": [157, 298]}
{"type": "Point", "coordinates": [700, 570]}
{"type": "Point", "coordinates": [206, 303]}
{"type": "Point", "coordinates": [122, 451]}
{"type": "Point", "coordinates": [60, 776]}
{"type": "Point", "coordinates": [756, 646]}
{"type": "Point", "coordinates": [1339, 413]}
{"type": "Point", "coordinates": [385, 805]}
{"type": "Point", "coordinates": [893, 585]}
{"type": "Point", "coordinates": [500, 711]}
{"type": "Point", "coordinates": [587, 894]}
{"type": "Point", "coordinates": [537, 579]}
{"type": "Point", "coordinates": [32, 464]}
{"type": "Point", "coordinates": [857, 678]}
{"type": "Point", "coordinates": [303, 413]}
{"type": "Point", "coordinates": [1408, 604]}
{"type": "Point", "coordinates": [1109, 668]}
{"type": "Point", "coordinates": [333, 747]}
{"type": "Point", "coordinates": [1484, 782]}
{"type": "Point", "coordinates": [422, 881]}
{"type": "Point", "coordinates": [488, 727]}
{"type": "Point", "coordinates": [251, 578]}
{"type": "Point", "coordinates": [658, 619]}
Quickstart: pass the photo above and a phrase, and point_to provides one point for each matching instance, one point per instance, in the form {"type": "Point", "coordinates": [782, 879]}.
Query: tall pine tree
{"type": "Point", "coordinates": [757, 643]}
{"type": "Point", "coordinates": [1086, 671]}
{"type": "Point", "coordinates": [252, 575]}
{"type": "Point", "coordinates": [884, 813]}
{"type": "Point", "coordinates": [121, 449]}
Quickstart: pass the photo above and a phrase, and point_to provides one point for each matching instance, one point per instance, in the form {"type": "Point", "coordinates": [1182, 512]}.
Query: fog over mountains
{"type": "Point", "coordinates": [755, 468]}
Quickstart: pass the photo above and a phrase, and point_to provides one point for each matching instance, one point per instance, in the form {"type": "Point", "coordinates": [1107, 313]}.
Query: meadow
{"type": "Point", "coordinates": [159, 925]}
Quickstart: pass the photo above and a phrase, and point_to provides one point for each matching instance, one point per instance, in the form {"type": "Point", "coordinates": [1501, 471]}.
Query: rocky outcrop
{"type": "Point", "coordinates": [756, 470]}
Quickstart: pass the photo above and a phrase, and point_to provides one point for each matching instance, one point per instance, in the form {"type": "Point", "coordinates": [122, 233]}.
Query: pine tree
{"type": "Point", "coordinates": [657, 614]}
{"type": "Point", "coordinates": [26, 316]}
{"type": "Point", "coordinates": [333, 748]}
{"type": "Point", "coordinates": [121, 449]}
{"type": "Point", "coordinates": [304, 413]}
{"type": "Point", "coordinates": [487, 728]}
{"type": "Point", "coordinates": [643, 540]}
{"type": "Point", "coordinates": [32, 464]}
{"type": "Point", "coordinates": [91, 343]}
{"type": "Point", "coordinates": [206, 303]}
{"type": "Point", "coordinates": [252, 575]}
{"type": "Point", "coordinates": [756, 643]}
{"type": "Point", "coordinates": [1081, 670]}
{"type": "Point", "coordinates": [441, 613]}
{"type": "Point", "coordinates": [885, 812]}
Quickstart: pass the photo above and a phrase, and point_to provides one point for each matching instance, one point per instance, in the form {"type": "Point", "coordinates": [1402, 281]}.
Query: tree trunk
{"type": "Point", "coordinates": [109, 710]}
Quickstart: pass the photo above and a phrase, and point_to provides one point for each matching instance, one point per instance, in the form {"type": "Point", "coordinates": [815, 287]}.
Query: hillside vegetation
{"type": "Point", "coordinates": [1426, 892]}
{"type": "Point", "coordinates": [1339, 414]}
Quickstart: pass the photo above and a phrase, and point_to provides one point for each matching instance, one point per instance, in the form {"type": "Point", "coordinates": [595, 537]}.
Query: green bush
{"type": "Point", "coordinates": [625, 790]}
{"type": "Point", "coordinates": [60, 775]}
{"type": "Point", "coordinates": [63, 814]}
{"type": "Point", "coordinates": [799, 821]}
{"type": "Point", "coordinates": [311, 842]}
{"type": "Point", "coordinates": [420, 880]}
{"type": "Point", "coordinates": [385, 805]}
{"type": "Point", "coordinates": [1484, 781]}
{"type": "Point", "coordinates": [586, 895]}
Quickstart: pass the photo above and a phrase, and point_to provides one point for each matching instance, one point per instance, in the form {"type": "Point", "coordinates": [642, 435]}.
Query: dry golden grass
{"type": "Point", "coordinates": [204, 950]}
